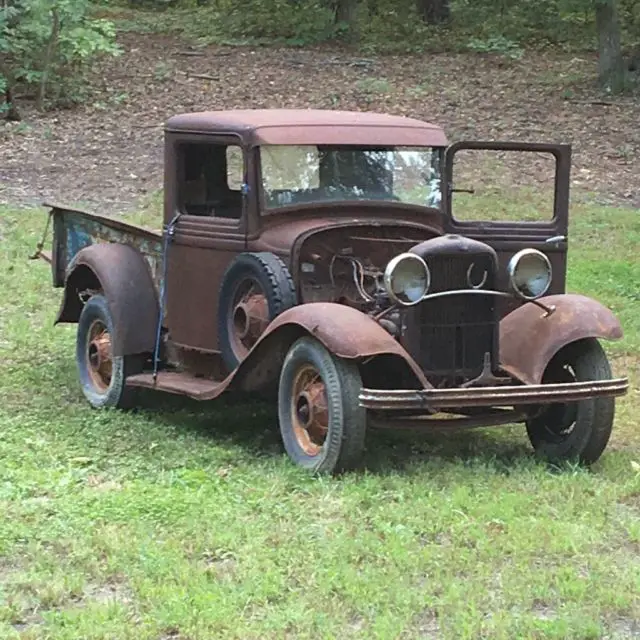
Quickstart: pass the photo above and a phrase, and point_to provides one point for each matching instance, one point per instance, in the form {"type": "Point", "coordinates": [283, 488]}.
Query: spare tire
{"type": "Point", "coordinates": [256, 287]}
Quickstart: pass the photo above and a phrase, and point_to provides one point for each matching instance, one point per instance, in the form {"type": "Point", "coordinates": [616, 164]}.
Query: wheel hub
{"type": "Point", "coordinates": [250, 317]}
{"type": "Point", "coordinates": [99, 357]}
{"type": "Point", "coordinates": [304, 409]}
{"type": "Point", "coordinates": [310, 413]}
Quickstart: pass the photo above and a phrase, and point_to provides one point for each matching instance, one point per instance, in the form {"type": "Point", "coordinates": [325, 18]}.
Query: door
{"type": "Point", "coordinates": [512, 196]}
{"type": "Point", "coordinates": [205, 178]}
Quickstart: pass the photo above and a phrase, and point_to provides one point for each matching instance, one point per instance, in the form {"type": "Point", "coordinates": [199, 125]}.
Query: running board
{"type": "Point", "coordinates": [182, 384]}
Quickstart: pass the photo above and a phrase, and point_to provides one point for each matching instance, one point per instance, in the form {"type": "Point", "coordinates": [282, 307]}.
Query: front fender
{"type": "Point", "coordinates": [125, 279]}
{"type": "Point", "coordinates": [344, 331]}
{"type": "Point", "coordinates": [529, 339]}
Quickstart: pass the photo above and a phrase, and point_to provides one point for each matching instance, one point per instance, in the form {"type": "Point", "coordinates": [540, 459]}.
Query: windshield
{"type": "Point", "coordinates": [302, 174]}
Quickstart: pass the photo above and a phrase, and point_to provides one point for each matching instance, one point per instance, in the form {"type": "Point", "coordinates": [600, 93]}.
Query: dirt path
{"type": "Point", "coordinates": [108, 154]}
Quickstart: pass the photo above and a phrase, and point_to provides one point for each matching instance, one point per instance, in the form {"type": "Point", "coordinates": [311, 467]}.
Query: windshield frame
{"type": "Point", "coordinates": [266, 209]}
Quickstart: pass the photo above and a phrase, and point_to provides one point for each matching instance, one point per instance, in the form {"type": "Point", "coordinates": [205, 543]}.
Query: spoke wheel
{"type": "Point", "coordinates": [103, 374]}
{"type": "Point", "coordinates": [321, 421]}
{"type": "Point", "coordinates": [256, 288]}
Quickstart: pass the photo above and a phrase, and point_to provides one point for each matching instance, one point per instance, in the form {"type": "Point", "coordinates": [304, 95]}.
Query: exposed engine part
{"type": "Point", "coordinates": [346, 265]}
{"type": "Point", "coordinates": [360, 272]}
{"type": "Point", "coordinates": [392, 325]}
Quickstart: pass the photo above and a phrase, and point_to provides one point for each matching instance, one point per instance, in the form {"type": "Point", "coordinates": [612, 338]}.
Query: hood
{"type": "Point", "coordinates": [281, 234]}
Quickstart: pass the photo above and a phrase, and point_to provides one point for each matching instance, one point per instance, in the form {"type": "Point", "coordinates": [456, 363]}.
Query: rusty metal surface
{"type": "Point", "coordinates": [402, 400]}
{"type": "Point", "coordinates": [74, 229]}
{"type": "Point", "coordinates": [99, 355]}
{"type": "Point", "coordinates": [374, 245]}
{"type": "Point", "coordinates": [423, 423]}
{"type": "Point", "coordinates": [176, 383]}
{"type": "Point", "coordinates": [125, 279]}
{"type": "Point", "coordinates": [312, 126]}
{"type": "Point", "coordinates": [310, 410]}
{"type": "Point", "coordinates": [346, 332]}
{"type": "Point", "coordinates": [529, 339]}
{"type": "Point", "coordinates": [285, 232]}
{"type": "Point", "coordinates": [194, 278]}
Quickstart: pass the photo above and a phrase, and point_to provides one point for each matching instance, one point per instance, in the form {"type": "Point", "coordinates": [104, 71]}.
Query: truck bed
{"type": "Point", "coordinates": [74, 229]}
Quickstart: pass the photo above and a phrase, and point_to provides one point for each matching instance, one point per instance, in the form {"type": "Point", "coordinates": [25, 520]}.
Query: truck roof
{"type": "Point", "coordinates": [312, 126]}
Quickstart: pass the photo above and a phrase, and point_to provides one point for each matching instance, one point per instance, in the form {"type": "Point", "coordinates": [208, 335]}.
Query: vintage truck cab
{"type": "Point", "coordinates": [311, 256]}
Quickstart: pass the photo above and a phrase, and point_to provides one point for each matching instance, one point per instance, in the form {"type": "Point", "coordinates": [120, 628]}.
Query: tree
{"type": "Point", "coordinates": [345, 14]}
{"type": "Point", "coordinates": [611, 68]}
{"type": "Point", "coordinates": [9, 18]}
{"type": "Point", "coordinates": [434, 11]}
{"type": "Point", "coordinates": [48, 45]}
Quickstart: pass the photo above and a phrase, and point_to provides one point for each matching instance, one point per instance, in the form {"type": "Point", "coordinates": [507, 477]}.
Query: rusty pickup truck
{"type": "Point", "coordinates": [311, 256]}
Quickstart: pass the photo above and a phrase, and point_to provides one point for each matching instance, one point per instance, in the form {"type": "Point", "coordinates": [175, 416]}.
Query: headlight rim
{"type": "Point", "coordinates": [512, 269]}
{"type": "Point", "coordinates": [388, 275]}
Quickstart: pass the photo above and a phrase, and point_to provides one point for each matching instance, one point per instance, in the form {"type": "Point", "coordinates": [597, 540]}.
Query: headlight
{"type": "Point", "coordinates": [407, 279]}
{"type": "Point", "coordinates": [529, 273]}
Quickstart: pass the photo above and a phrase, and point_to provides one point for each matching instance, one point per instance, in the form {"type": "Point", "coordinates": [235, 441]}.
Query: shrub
{"type": "Point", "coordinates": [48, 45]}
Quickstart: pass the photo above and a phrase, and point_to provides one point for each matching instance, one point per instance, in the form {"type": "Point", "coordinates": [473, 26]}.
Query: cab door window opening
{"type": "Point", "coordinates": [210, 179]}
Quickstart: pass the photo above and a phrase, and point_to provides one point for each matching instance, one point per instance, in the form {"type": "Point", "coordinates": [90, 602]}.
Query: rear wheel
{"type": "Point", "coordinates": [576, 431]}
{"type": "Point", "coordinates": [103, 375]}
{"type": "Point", "coordinates": [321, 421]}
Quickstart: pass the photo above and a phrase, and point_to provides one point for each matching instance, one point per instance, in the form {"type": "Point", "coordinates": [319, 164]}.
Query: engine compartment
{"type": "Point", "coordinates": [346, 264]}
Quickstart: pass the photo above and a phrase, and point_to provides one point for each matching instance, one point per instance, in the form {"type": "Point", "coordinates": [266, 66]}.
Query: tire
{"type": "Point", "coordinates": [256, 288]}
{"type": "Point", "coordinates": [323, 389]}
{"type": "Point", "coordinates": [575, 431]}
{"type": "Point", "coordinates": [103, 376]}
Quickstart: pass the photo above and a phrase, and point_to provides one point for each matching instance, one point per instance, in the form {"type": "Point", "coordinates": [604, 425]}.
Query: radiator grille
{"type": "Point", "coordinates": [455, 332]}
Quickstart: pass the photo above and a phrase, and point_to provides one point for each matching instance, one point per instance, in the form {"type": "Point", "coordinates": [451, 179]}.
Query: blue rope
{"type": "Point", "coordinates": [170, 232]}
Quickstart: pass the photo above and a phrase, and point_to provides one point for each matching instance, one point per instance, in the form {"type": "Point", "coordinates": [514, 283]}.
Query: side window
{"type": "Point", "coordinates": [210, 178]}
{"type": "Point", "coordinates": [235, 168]}
{"type": "Point", "coordinates": [503, 186]}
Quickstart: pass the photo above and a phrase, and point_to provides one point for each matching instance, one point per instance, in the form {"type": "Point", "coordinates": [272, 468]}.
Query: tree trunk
{"type": "Point", "coordinates": [345, 16]}
{"type": "Point", "coordinates": [12, 114]}
{"type": "Point", "coordinates": [611, 71]}
{"type": "Point", "coordinates": [48, 59]}
{"type": "Point", "coordinates": [434, 11]}
{"type": "Point", "coordinates": [11, 109]}
{"type": "Point", "coordinates": [346, 12]}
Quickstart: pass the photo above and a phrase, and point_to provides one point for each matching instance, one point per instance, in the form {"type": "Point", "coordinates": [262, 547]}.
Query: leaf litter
{"type": "Point", "coordinates": [107, 154]}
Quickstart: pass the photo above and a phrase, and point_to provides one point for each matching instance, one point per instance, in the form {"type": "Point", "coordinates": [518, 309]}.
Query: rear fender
{"type": "Point", "coordinates": [529, 338]}
{"type": "Point", "coordinates": [344, 331]}
{"type": "Point", "coordinates": [122, 274]}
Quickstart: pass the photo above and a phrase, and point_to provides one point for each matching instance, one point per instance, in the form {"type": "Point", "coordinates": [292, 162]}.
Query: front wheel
{"type": "Point", "coordinates": [321, 421]}
{"type": "Point", "coordinates": [575, 431]}
{"type": "Point", "coordinates": [103, 375]}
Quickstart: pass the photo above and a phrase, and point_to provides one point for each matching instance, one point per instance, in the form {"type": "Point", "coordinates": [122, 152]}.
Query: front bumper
{"type": "Point", "coordinates": [533, 394]}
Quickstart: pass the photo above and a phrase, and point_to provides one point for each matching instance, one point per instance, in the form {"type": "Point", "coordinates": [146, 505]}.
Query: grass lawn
{"type": "Point", "coordinates": [188, 521]}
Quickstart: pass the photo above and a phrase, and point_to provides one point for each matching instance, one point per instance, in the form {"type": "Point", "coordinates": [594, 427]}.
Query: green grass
{"type": "Point", "coordinates": [187, 521]}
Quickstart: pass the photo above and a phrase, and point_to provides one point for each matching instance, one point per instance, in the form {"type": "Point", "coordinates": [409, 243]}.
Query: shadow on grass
{"type": "Point", "coordinates": [252, 424]}
{"type": "Point", "coordinates": [501, 448]}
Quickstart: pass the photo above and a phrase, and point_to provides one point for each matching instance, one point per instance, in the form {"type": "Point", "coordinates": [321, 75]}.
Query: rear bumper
{"type": "Point", "coordinates": [410, 399]}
